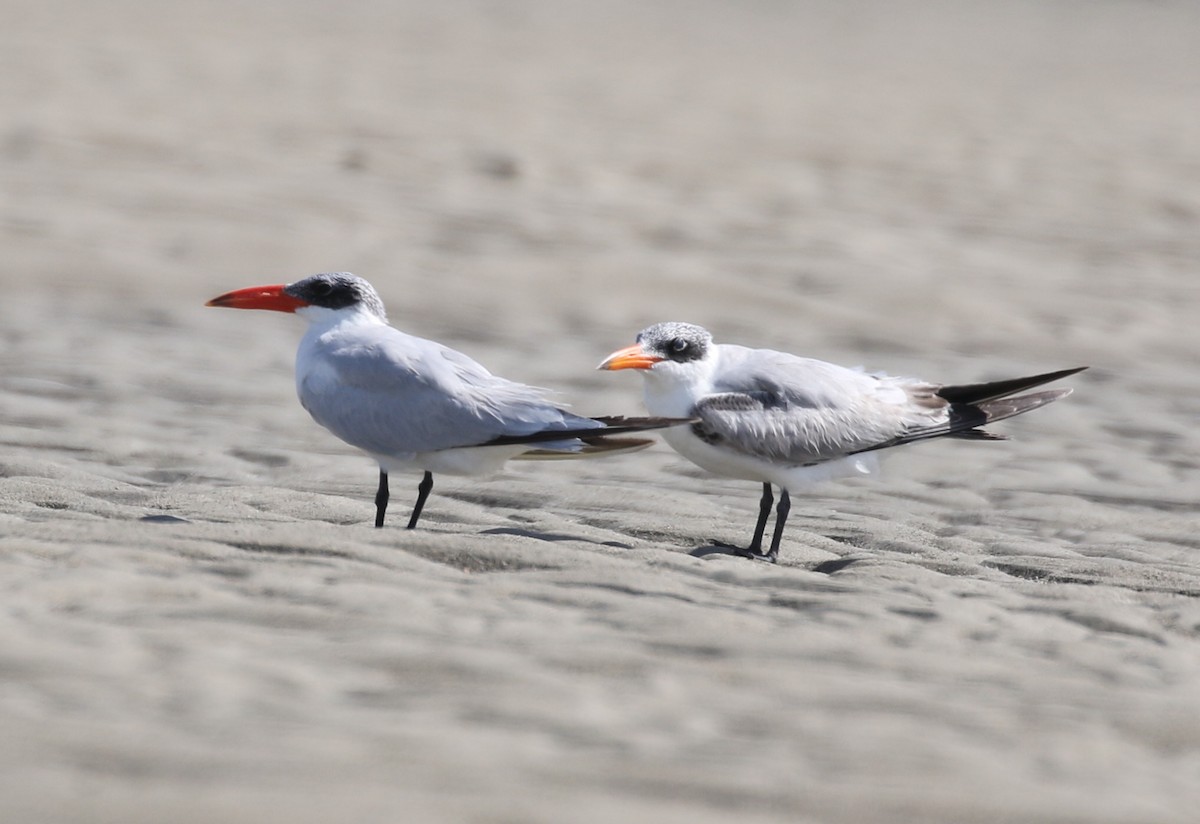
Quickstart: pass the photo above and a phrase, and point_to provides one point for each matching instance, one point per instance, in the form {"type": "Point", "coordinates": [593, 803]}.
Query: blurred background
{"type": "Point", "coordinates": [886, 173]}
{"type": "Point", "coordinates": [903, 186]}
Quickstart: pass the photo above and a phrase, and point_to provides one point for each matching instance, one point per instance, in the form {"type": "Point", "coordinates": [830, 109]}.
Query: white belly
{"type": "Point", "coordinates": [678, 399]}
{"type": "Point", "coordinates": [468, 460]}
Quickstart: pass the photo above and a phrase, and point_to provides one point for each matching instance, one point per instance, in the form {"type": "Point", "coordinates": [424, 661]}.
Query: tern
{"type": "Point", "coordinates": [412, 403]}
{"type": "Point", "coordinates": [788, 421]}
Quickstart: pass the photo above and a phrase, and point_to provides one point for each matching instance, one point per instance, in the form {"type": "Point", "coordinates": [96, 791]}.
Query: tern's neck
{"type": "Point", "coordinates": [322, 320]}
{"type": "Point", "coordinates": [673, 389]}
{"type": "Point", "coordinates": [330, 330]}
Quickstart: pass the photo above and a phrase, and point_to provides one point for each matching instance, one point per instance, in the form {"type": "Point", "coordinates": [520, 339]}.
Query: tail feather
{"type": "Point", "coordinates": [613, 425]}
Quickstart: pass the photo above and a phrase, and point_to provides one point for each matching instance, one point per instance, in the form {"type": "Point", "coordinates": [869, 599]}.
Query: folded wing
{"type": "Point", "coordinates": [800, 411]}
{"type": "Point", "coordinates": [395, 399]}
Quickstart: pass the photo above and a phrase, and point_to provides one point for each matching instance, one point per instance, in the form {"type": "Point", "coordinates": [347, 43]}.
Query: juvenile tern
{"type": "Point", "coordinates": [780, 419]}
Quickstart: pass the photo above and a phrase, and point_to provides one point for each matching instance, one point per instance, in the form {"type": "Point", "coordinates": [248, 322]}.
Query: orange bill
{"type": "Point", "coordinates": [631, 357]}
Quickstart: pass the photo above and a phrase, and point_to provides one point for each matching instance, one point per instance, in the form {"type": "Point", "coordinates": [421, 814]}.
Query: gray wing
{"type": "Point", "coordinates": [798, 411]}
{"type": "Point", "coordinates": [390, 393]}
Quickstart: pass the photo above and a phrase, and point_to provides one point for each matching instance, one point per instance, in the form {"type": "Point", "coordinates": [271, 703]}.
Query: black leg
{"type": "Point", "coordinates": [423, 489]}
{"type": "Point", "coordinates": [381, 499]}
{"type": "Point", "coordinates": [764, 512]}
{"type": "Point", "coordinates": [781, 514]}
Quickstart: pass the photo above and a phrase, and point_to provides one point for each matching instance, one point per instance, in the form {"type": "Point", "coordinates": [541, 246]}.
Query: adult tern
{"type": "Point", "coordinates": [412, 403]}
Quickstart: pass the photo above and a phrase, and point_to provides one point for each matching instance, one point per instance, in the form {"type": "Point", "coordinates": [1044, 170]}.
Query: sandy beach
{"type": "Point", "coordinates": [198, 621]}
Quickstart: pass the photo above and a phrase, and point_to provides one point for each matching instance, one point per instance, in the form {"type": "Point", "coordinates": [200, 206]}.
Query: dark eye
{"type": "Point", "coordinates": [679, 346]}
{"type": "Point", "coordinates": [322, 288]}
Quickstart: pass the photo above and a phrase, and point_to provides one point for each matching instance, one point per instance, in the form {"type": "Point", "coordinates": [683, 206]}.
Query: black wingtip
{"type": "Point", "coordinates": [966, 418]}
{"type": "Point", "coordinates": [975, 393]}
{"type": "Point", "coordinates": [615, 424]}
{"type": "Point", "coordinates": [998, 409]}
{"type": "Point", "coordinates": [612, 425]}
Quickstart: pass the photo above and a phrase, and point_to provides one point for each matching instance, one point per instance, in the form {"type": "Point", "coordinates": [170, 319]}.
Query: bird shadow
{"type": "Point", "coordinates": [552, 537]}
{"type": "Point", "coordinates": [826, 567]}
{"type": "Point", "coordinates": [716, 549]}
{"type": "Point", "coordinates": [835, 565]}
